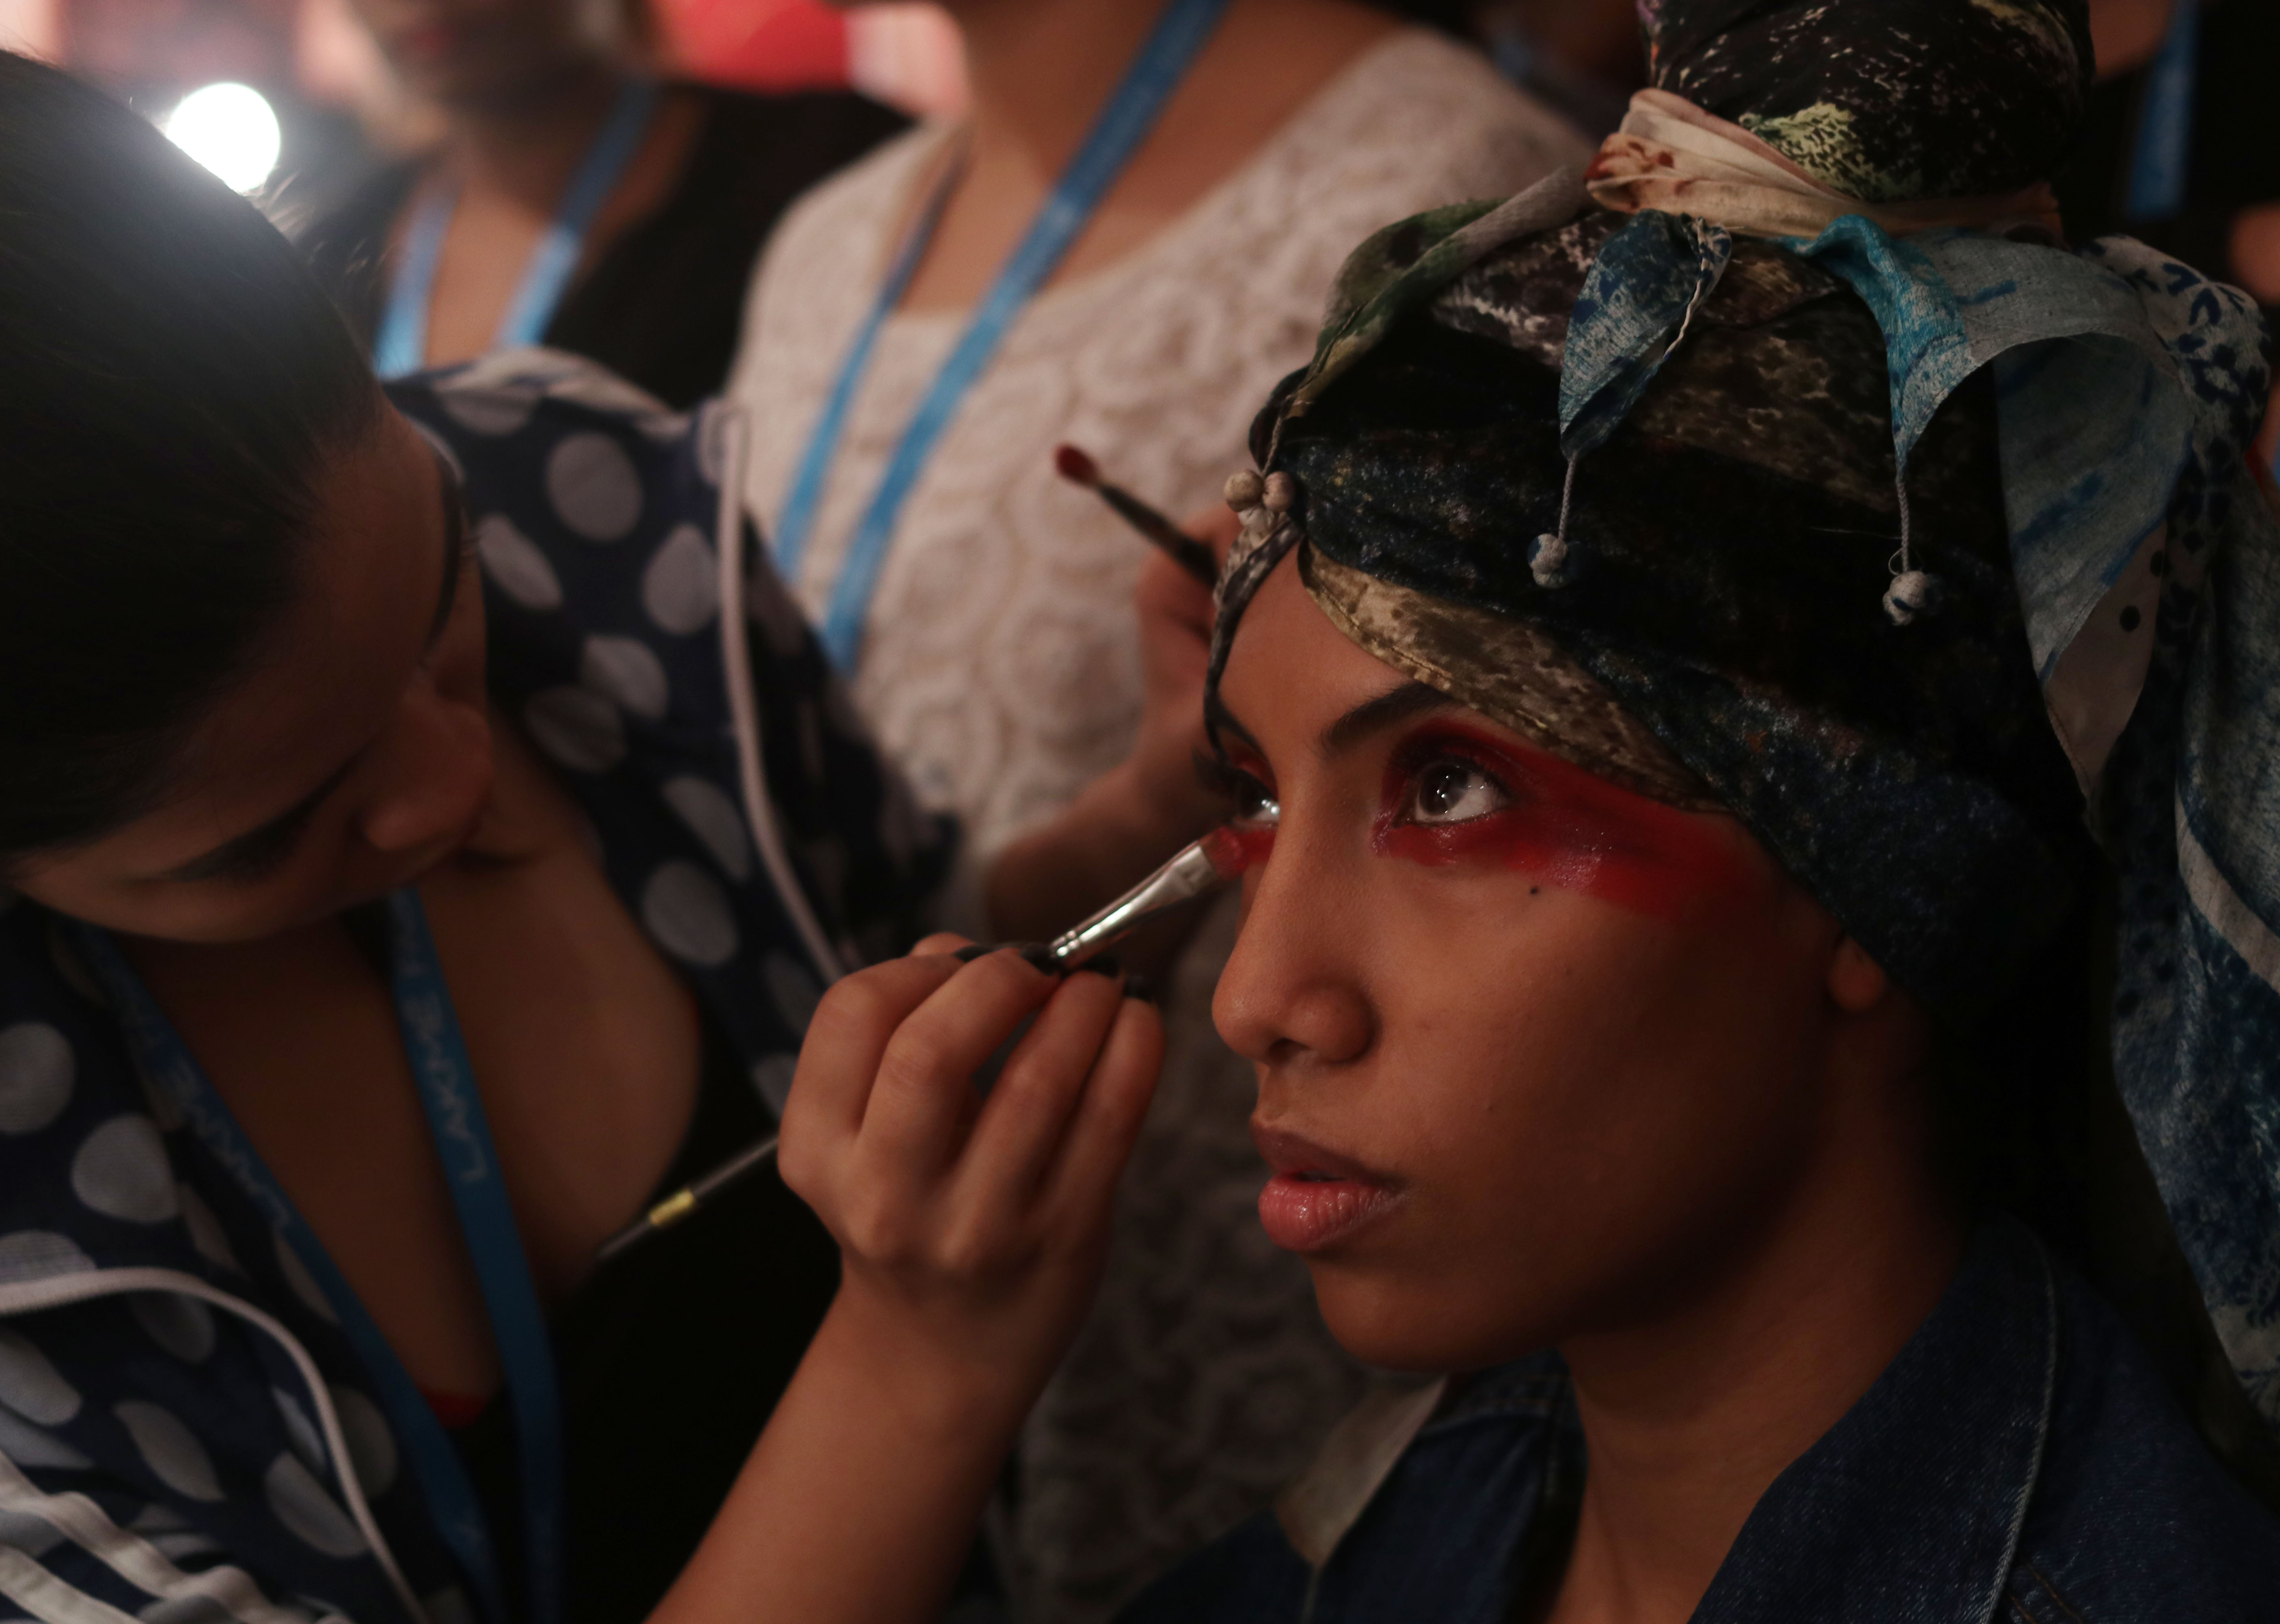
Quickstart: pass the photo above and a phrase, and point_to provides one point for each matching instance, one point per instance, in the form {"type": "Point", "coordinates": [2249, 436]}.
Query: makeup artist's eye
{"type": "Point", "coordinates": [1451, 789]}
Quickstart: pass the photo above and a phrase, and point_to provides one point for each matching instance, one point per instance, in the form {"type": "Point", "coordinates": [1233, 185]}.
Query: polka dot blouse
{"type": "Point", "coordinates": [186, 1434]}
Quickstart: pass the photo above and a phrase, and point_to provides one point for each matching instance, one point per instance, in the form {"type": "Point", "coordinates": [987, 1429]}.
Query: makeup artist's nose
{"type": "Point", "coordinates": [1288, 993]}
{"type": "Point", "coordinates": [437, 771]}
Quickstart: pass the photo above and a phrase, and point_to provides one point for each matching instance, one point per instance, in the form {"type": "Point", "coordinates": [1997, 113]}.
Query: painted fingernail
{"type": "Point", "coordinates": [1141, 987]}
{"type": "Point", "coordinates": [1040, 957]}
{"type": "Point", "coordinates": [1103, 964]}
{"type": "Point", "coordinates": [968, 955]}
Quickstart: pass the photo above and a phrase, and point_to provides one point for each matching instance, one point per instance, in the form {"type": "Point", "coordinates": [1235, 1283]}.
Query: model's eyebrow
{"type": "Point", "coordinates": [1371, 716]}
{"type": "Point", "coordinates": [455, 542]}
{"type": "Point", "coordinates": [1395, 705]}
{"type": "Point", "coordinates": [257, 848]}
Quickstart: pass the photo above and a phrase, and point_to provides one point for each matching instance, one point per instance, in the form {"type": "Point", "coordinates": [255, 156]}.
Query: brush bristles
{"type": "Point", "coordinates": [1075, 466]}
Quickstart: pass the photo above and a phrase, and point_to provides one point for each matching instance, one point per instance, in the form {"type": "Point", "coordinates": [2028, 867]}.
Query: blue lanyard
{"type": "Point", "coordinates": [455, 1118]}
{"type": "Point", "coordinates": [402, 344]}
{"type": "Point", "coordinates": [2159, 169]}
{"type": "Point", "coordinates": [1131, 113]}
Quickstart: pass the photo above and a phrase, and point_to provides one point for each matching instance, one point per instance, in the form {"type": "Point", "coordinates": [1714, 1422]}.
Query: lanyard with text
{"type": "Point", "coordinates": [446, 1080]}
{"type": "Point", "coordinates": [402, 344]}
{"type": "Point", "coordinates": [1131, 113]}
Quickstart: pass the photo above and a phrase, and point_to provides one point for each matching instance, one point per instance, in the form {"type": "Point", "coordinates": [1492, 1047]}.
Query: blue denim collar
{"type": "Point", "coordinates": [1912, 1504]}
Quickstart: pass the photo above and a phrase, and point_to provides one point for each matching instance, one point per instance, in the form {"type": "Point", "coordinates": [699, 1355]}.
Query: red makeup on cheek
{"type": "Point", "coordinates": [1251, 841]}
{"type": "Point", "coordinates": [1565, 827]}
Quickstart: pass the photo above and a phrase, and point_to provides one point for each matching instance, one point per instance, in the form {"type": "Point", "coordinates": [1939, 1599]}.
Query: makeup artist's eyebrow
{"type": "Point", "coordinates": [258, 847]}
{"type": "Point", "coordinates": [1375, 715]}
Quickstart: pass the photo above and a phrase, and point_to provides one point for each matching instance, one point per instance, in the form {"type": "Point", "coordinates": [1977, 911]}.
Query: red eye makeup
{"type": "Point", "coordinates": [1454, 795]}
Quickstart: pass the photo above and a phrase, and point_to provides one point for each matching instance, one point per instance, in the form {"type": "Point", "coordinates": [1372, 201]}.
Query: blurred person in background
{"type": "Point", "coordinates": [2177, 144]}
{"type": "Point", "coordinates": [981, 604]}
{"type": "Point", "coordinates": [574, 200]}
{"type": "Point", "coordinates": [1581, 56]}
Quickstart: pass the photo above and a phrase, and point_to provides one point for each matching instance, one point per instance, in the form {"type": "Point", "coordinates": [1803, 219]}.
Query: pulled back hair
{"type": "Point", "coordinates": [172, 379]}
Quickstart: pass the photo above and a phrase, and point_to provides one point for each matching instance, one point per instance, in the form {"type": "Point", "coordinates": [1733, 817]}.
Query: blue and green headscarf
{"type": "Point", "coordinates": [1933, 556]}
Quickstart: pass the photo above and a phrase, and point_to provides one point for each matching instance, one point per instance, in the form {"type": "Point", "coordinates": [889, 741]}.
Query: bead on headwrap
{"type": "Point", "coordinates": [1548, 555]}
{"type": "Point", "coordinates": [1913, 591]}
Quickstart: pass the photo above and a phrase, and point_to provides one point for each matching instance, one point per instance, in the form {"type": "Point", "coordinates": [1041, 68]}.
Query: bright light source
{"type": "Point", "coordinates": [230, 129]}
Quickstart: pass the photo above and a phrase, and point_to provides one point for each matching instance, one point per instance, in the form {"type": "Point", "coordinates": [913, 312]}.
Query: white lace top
{"type": "Point", "coordinates": [1000, 667]}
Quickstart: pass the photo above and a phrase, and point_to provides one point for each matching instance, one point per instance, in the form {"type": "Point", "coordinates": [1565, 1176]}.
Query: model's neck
{"type": "Point", "coordinates": [525, 143]}
{"type": "Point", "coordinates": [1691, 1408]}
{"type": "Point", "coordinates": [1040, 70]}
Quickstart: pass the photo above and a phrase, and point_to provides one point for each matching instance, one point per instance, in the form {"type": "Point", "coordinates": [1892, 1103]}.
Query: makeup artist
{"type": "Point", "coordinates": [923, 331]}
{"type": "Point", "coordinates": [575, 200]}
{"type": "Point", "coordinates": [408, 885]}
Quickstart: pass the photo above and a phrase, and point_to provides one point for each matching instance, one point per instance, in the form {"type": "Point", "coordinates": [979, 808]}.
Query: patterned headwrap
{"type": "Point", "coordinates": [1921, 543]}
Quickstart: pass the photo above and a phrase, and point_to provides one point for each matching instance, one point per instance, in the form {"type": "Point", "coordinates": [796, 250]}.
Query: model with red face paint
{"type": "Point", "coordinates": [1541, 1062]}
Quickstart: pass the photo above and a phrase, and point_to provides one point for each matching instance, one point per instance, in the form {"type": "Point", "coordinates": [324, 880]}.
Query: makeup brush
{"type": "Point", "coordinates": [1217, 858]}
{"type": "Point", "coordinates": [1189, 553]}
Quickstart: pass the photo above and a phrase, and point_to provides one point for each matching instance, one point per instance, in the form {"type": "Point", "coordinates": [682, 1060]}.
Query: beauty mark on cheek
{"type": "Point", "coordinates": [1566, 828]}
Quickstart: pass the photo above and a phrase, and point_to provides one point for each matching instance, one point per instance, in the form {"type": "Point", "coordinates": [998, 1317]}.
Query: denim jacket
{"type": "Point", "coordinates": [187, 1436]}
{"type": "Point", "coordinates": [2019, 1461]}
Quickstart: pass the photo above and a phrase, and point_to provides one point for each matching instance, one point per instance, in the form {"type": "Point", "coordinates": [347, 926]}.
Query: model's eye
{"type": "Point", "coordinates": [1251, 801]}
{"type": "Point", "coordinates": [1448, 790]}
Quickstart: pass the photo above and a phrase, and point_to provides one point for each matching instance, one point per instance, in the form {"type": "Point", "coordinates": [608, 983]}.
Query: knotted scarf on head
{"type": "Point", "coordinates": [1730, 438]}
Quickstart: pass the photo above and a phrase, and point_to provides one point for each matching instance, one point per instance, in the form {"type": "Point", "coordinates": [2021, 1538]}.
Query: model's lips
{"type": "Point", "coordinates": [1317, 1197]}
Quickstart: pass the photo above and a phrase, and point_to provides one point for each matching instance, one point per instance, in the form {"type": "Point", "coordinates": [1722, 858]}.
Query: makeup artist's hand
{"type": "Point", "coordinates": [971, 1233]}
{"type": "Point", "coordinates": [1149, 804]}
{"type": "Point", "coordinates": [971, 1230]}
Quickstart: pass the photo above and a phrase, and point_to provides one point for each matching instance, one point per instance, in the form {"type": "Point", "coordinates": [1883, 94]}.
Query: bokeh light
{"type": "Point", "coordinates": [229, 128]}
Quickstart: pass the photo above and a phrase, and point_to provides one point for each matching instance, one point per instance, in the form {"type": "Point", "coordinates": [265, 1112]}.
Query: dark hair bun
{"type": "Point", "coordinates": [1889, 101]}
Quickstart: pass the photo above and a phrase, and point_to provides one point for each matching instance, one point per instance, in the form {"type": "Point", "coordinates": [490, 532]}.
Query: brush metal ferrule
{"type": "Point", "coordinates": [1188, 875]}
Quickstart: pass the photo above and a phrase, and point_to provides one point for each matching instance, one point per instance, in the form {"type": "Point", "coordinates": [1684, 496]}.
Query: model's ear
{"type": "Point", "coordinates": [1857, 984]}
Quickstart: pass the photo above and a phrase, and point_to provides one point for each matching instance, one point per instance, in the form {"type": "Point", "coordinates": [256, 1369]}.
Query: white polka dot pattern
{"type": "Point", "coordinates": [121, 1172]}
{"type": "Point", "coordinates": [40, 1254]}
{"type": "Point", "coordinates": [513, 561]}
{"type": "Point", "coordinates": [182, 1326]}
{"type": "Point", "coordinates": [33, 1386]}
{"type": "Point", "coordinates": [707, 810]}
{"type": "Point", "coordinates": [578, 727]}
{"type": "Point", "coordinates": [300, 1431]}
{"type": "Point", "coordinates": [685, 911]}
{"type": "Point", "coordinates": [303, 1283]}
{"type": "Point", "coordinates": [172, 1451]}
{"type": "Point", "coordinates": [489, 412]}
{"type": "Point", "coordinates": [594, 487]}
{"type": "Point", "coordinates": [372, 1446]}
{"type": "Point", "coordinates": [205, 1229]}
{"type": "Point", "coordinates": [309, 1513]}
{"type": "Point", "coordinates": [37, 1071]}
{"type": "Point", "coordinates": [627, 671]}
{"type": "Point", "coordinates": [681, 589]}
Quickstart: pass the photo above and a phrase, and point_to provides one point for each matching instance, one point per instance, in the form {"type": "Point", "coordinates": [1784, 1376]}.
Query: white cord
{"type": "Point", "coordinates": [744, 705]}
